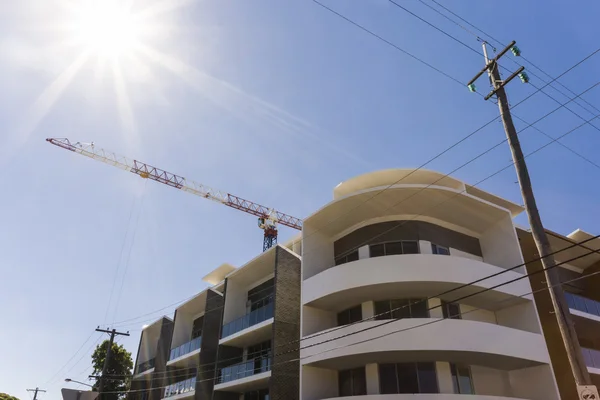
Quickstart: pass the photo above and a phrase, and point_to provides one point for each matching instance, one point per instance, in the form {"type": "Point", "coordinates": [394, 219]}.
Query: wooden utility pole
{"type": "Point", "coordinates": [36, 390]}
{"type": "Point", "coordinates": [112, 334]}
{"type": "Point", "coordinates": [567, 330]}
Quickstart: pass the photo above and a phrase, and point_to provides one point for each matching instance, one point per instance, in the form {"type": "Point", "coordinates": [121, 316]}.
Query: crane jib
{"type": "Point", "coordinates": [156, 174]}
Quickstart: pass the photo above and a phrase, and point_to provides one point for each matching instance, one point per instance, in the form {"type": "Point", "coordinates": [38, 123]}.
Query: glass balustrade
{"type": "Point", "coordinates": [145, 366]}
{"type": "Point", "coordinates": [255, 317]}
{"type": "Point", "coordinates": [583, 304]}
{"type": "Point", "coordinates": [186, 386]}
{"type": "Point", "coordinates": [247, 368]}
{"type": "Point", "coordinates": [591, 357]}
{"type": "Point", "coordinates": [186, 348]}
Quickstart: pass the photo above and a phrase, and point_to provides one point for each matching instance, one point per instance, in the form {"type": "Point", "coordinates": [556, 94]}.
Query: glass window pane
{"type": "Point", "coordinates": [407, 378]}
{"type": "Point", "coordinates": [454, 374]}
{"type": "Point", "coordinates": [382, 310]}
{"type": "Point", "coordinates": [343, 318]}
{"type": "Point", "coordinates": [401, 308]}
{"type": "Point", "coordinates": [464, 379]}
{"type": "Point", "coordinates": [410, 247]}
{"type": "Point", "coordinates": [355, 313]}
{"type": "Point", "coordinates": [345, 383]}
{"type": "Point", "coordinates": [570, 300]}
{"type": "Point", "coordinates": [387, 379]}
{"type": "Point", "coordinates": [376, 250]}
{"type": "Point", "coordinates": [393, 248]}
{"type": "Point", "coordinates": [579, 304]}
{"type": "Point", "coordinates": [419, 308]}
{"type": "Point", "coordinates": [427, 378]}
{"type": "Point", "coordinates": [359, 382]}
{"type": "Point", "coordinates": [352, 256]}
{"type": "Point", "coordinates": [590, 306]}
{"type": "Point", "coordinates": [454, 311]}
{"type": "Point", "coordinates": [340, 260]}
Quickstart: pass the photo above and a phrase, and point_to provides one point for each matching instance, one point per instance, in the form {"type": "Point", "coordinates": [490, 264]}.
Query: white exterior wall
{"type": "Point", "coordinates": [317, 252]}
{"type": "Point", "coordinates": [535, 383]}
{"type": "Point", "coordinates": [500, 245]}
{"type": "Point", "coordinates": [318, 383]}
{"type": "Point", "coordinates": [490, 381]}
{"type": "Point", "coordinates": [316, 320]}
{"type": "Point", "coordinates": [469, 313]}
{"type": "Point", "coordinates": [372, 375]}
{"type": "Point", "coordinates": [235, 301]}
{"type": "Point", "coordinates": [444, 376]}
{"type": "Point", "coordinates": [182, 331]}
{"type": "Point", "coordinates": [458, 253]}
{"type": "Point", "coordinates": [521, 316]}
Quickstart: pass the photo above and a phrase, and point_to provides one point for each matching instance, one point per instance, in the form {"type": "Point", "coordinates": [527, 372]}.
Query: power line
{"type": "Point", "coordinates": [399, 319]}
{"type": "Point", "coordinates": [456, 169]}
{"type": "Point", "coordinates": [438, 295]}
{"type": "Point", "coordinates": [69, 360]}
{"type": "Point", "coordinates": [502, 45]}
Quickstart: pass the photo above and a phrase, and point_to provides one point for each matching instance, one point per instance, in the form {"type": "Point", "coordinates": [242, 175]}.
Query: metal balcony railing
{"type": "Point", "coordinates": [244, 369]}
{"type": "Point", "coordinates": [583, 304]}
{"type": "Point", "coordinates": [181, 387]}
{"type": "Point", "coordinates": [185, 348]}
{"type": "Point", "coordinates": [255, 317]}
{"type": "Point", "coordinates": [591, 357]}
{"type": "Point", "coordinates": [145, 366]}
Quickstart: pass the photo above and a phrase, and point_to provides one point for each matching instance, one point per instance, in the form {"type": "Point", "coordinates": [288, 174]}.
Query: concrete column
{"type": "Point", "coordinates": [363, 252]}
{"type": "Point", "coordinates": [372, 373]}
{"type": "Point", "coordinates": [368, 309]}
{"type": "Point", "coordinates": [435, 312]}
{"type": "Point", "coordinates": [425, 247]}
{"type": "Point", "coordinates": [444, 377]}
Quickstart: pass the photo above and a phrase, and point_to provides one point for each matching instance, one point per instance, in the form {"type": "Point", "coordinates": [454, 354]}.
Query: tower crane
{"type": "Point", "coordinates": [268, 218]}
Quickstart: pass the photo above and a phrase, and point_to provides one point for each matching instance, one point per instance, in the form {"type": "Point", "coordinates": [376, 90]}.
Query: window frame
{"type": "Point", "coordinates": [436, 247]}
{"type": "Point", "coordinates": [414, 368]}
{"type": "Point", "coordinates": [446, 310]}
{"type": "Point", "coordinates": [346, 258]}
{"type": "Point", "coordinates": [400, 313]}
{"type": "Point", "coordinates": [354, 374]}
{"type": "Point", "coordinates": [349, 316]}
{"type": "Point", "coordinates": [394, 242]}
{"type": "Point", "coordinates": [456, 381]}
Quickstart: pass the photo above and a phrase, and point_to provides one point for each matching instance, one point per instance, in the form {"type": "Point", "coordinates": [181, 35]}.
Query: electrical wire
{"type": "Point", "coordinates": [425, 300]}
{"type": "Point", "coordinates": [68, 361]}
{"type": "Point", "coordinates": [463, 165]}
{"type": "Point", "coordinates": [130, 248]}
{"type": "Point", "coordinates": [437, 320]}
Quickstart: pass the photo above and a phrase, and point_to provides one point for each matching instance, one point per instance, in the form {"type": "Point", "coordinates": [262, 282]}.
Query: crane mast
{"type": "Point", "coordinates": [268, 218]}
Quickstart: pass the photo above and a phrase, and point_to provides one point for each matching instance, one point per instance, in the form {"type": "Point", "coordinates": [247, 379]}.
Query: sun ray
{"type": "Point", "coordinates": [124, 104]}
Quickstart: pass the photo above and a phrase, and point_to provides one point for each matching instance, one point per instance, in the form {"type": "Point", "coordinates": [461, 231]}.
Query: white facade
{"type": "Point", "coordinates": [381, 230]}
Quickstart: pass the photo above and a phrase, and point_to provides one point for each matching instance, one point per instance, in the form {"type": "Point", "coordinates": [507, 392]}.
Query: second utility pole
{"type": "Point", "coordinates": [567, 331]}
{"type": "Point", "coordinates": [112, 333]}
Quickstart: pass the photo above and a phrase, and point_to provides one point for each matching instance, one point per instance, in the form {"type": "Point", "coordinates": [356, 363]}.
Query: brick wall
{"type": "Point", "coordinates": [285, 375]}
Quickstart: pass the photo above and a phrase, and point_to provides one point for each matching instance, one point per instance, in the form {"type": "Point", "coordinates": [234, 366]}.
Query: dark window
{"type": "Point", "coordinates": [350, 315]}
{"type": "Point", "coordinates": [401, 308]}
{"type": "Point", "coordinates": [353, 256]}
{"type": "Point", "coordinates": [352, 382]}
{"type": "Point", "coordinates": [197, 327]}
{"type": "Point", "coordinates": [391, 248]}
{"type": "Point", "coordinates": [377, 250]}
{"type": "Point", "coordinates": [461, 379]}
{"type": "Point", "coordinates": [260, 295]}
{"type": "Point", "coordinates": [388, 382]}
{"type": "Point", "coordinates": [408, 378]}
{"type": "Point", "coordinates": [257, 395]}
{"type": "Point", "coordinates": [451, 310]}
{"type": "Point", "coordinates": [410, 247]}
{"type": "Point", "coordinates": [437, 249]}
{"type": "Point", "coordinates": [261, 350]}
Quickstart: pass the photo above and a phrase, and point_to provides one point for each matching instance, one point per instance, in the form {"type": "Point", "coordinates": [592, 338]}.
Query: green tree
{"type": "Point", "coordinates": [4, 396]}
{"type": "Point", "coordinates": [118, 372]}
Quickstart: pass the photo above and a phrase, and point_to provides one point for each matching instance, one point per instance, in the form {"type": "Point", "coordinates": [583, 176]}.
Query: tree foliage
{"type": "Point", "coordinates": [4, 396]}
{"type": "Point", "coordinates": [118, 372]}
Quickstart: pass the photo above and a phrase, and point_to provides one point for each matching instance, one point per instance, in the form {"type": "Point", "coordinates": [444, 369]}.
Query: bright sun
{"type": "Point", "coordinates": [107, 28]}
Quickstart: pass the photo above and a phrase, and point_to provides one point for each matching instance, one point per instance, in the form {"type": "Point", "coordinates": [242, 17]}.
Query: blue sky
{"type": "Point", "coordinates": [273, 101]}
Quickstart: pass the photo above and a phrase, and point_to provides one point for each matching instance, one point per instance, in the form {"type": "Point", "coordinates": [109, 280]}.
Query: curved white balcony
{"type": "Point", "coordinates": [413, 275]}
{"type": "Point", "coordinates": [424, 396]}
{"type": "Point", "coordinates": [458, 341]}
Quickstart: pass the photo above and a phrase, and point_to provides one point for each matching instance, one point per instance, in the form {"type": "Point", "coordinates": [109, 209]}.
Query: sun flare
{"type": "Point", "coordinates": [107, 28]}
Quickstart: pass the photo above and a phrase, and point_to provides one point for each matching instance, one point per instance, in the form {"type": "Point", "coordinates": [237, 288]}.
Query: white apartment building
{"type": "Point", "coordinates": [374, 255]}
{"type": "Point", "coordinates": [374, 299]}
